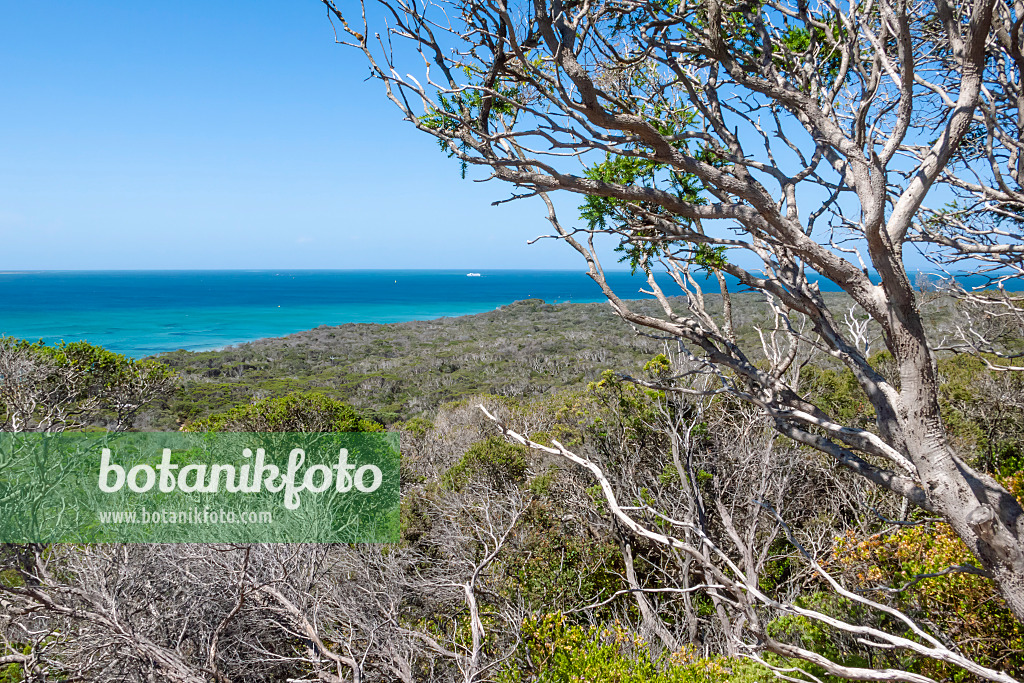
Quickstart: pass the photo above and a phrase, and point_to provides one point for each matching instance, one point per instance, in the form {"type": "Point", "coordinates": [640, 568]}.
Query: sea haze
{"type": "Point", "coordinates": [140, 313]}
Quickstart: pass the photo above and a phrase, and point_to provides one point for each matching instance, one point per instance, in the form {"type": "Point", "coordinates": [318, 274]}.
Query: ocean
{"type": "Point", "coordinates": [141, 313]}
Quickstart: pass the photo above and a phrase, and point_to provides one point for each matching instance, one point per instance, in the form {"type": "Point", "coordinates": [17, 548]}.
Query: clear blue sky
{"type": "Point", "coordinates": [225, 134]}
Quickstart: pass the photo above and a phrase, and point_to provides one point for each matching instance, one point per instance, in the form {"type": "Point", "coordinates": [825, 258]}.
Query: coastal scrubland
{"type": "Point", "coordinates": [510, 566]}
{"type": "Point", "coordinates": [397, 371]}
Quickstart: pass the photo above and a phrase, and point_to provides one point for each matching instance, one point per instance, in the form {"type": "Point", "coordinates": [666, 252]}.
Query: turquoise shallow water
{"type": "Point", "coordinates": [140, 313]}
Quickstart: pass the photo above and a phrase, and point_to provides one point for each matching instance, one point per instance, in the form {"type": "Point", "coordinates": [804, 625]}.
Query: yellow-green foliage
{"type": "Point", "coordinates": [11, 577]}
{"type": "Point", "coordinates": [296, 412]}
{"type": "Point", "coordinates": [103, 366]}
{"type": "Point", "coordinates": [1014, 483]}
{"type": "Point", "coordinates": [965, 606]}
{"type": "Point", "coordinates": [659, 366]}
{"type": "Point", "coordinates": [12, 673]}
{"type": "Point", "coordinates": [418, 427]}
{"type": "Point", "coordinates": [632, 409]}
{"type": "Point", "coordinates": [562, 652]}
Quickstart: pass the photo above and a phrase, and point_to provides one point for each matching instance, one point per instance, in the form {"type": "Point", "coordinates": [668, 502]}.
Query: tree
{"type": "Point", "coordinates": [773, 142]}
{"type": "Point", "coordinates": [72, 385]}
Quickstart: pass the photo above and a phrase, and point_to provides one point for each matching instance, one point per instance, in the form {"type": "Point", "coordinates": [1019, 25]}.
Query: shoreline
{"type": "Point", "coordinates": [145, 314]}
{"type": "Point", "coordinates": [231, 346]}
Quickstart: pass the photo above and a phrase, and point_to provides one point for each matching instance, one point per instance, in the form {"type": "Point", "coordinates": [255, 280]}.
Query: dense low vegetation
{"type": "Point", "coordinates": [398, 371]}
{"type": "Point", "coordinates": [509, 564]}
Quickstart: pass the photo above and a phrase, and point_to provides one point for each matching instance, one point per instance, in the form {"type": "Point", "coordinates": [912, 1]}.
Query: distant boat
{"type": "Point", "coordinates": [472, 274]}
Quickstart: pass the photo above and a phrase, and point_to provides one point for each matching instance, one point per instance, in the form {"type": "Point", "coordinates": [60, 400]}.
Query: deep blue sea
{"type": "Point", "coordinates": [140, 313]}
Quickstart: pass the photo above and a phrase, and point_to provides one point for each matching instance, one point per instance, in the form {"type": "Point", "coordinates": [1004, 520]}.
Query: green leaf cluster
{"type": "Point", "coordinates": [460, 110]}
{"type": "Point", "coordinates": [493, 460]}
{"type": "Point", "coordinates": [639, 244]}
{"type": "Point", "coordinates": [296, 412]}
{"type": "Point", "coordinates": [91, 383]}
{"type": "Point", "coordinates": [559, 651]}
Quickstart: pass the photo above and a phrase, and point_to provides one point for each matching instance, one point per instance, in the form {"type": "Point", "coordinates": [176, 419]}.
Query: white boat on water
{"type": "Point", "coordinates": [472, 274]}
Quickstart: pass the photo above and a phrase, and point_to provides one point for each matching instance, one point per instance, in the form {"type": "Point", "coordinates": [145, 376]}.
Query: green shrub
{"type": "Point", "coordinates": [560, 652]}
{"type": "Point", "coordinates": [555, 564]}
{"type": "Point", "coordinates": [296, 412]}
{"type": "Point", "coordinates": [493, 460]}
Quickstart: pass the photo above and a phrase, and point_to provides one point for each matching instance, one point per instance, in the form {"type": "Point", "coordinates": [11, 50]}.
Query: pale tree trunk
{"type": "Point", "coordinates": [982, 513]}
